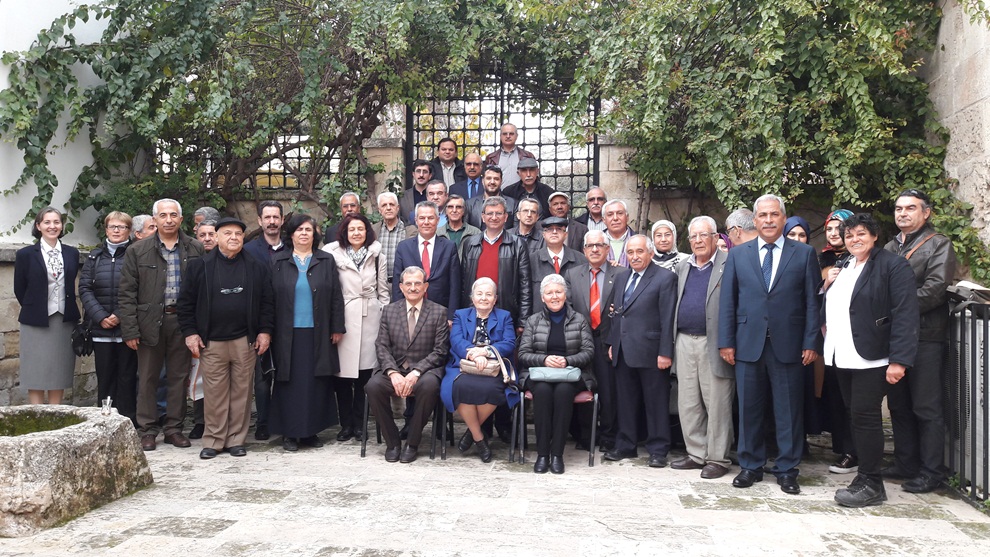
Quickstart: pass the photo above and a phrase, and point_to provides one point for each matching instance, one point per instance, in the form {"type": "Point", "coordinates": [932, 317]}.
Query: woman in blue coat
{"type": "Point", "coordinates": [476, 332]}
{"type": "Point", "coordinates": [45, 286]}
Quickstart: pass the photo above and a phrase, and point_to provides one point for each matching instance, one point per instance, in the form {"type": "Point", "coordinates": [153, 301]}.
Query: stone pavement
{"type": "Point", "coordinates": [329, 501]}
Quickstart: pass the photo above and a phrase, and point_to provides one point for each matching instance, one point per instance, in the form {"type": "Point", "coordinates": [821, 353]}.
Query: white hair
{"type": "Point", "coordinates": [552, 279]}
{"type": "Point", "coordinates": [154, 208]}
{"type": "Point", "coordinates": [769, 197]}
{"type": "Point", "coordinates": [386, 194]}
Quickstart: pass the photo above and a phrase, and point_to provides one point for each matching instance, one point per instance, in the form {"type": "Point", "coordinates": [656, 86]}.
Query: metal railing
{"type": "Point", "coordinates": [966, 413]}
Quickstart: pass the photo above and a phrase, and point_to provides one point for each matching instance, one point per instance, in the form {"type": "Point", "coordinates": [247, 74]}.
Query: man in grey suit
{"type": "Point", "coordinates": [588, 298]}
{"type": "Point", "coordinates": [641, 347]}
{"type": "Point", "coordinates": [553, 258]}
{"type": "Point", "coordinates": [705, 382]}
{"type": "Point", "coordinates": [412, 346]}
{"type": "Point", "coordinates": [768, 328]}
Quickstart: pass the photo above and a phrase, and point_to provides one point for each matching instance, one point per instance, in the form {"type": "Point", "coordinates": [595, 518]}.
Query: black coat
{"type": "Point", "coordinates": [31, 285]}
{"type": "Point", "coordinates": [328, 311]}
{"type": "Point", "coordinates": [202, 280]}
{"type": "Point", "coordinates": [514, 294]}
{"type": "Point", "coordinates": [580, 347]}
{"type": "Point", "coordinates": [98, 285]}
{"type": "Point", "coordinates": [883, 310]}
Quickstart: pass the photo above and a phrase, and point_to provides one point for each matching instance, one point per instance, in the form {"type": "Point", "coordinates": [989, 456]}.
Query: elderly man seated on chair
{"type": "Point", "coordinates": [412, 346]}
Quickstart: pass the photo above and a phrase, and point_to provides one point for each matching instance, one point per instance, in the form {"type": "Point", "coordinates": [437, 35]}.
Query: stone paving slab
{"type": "Point", "coordinates": [329, 502]}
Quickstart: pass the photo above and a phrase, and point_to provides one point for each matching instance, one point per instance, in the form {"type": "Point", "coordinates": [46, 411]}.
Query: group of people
{"type": "Point", "coordinates": [463, 283]}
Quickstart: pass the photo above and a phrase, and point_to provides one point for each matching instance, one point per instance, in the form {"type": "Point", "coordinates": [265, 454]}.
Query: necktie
{"type": "Point", "coordinates": [556, 264]}
{"type": "Point", "coordinates": [768, 264]}
{"type": "Point", "coordinates": [472, 187]}
{"type": "Point", "coordinates": [630, 289]}
{"type": "Point", "coordinates": [412, 323]}
{"type": "Point", "coordinates": [596, 300]}
{"type": "Point", "coordinates": [426, 258]}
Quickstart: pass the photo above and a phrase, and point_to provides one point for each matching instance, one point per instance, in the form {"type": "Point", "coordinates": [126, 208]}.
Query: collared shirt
{"type": "Point", "coordinates": [173, 270]}
{"type": "Point", "coordinates": [596, 224]}
{"type": "Point", "coordinates": [448, 173]}
{"type": "Point", "coordinates": [559, 255]}
{"type": "Point", "coordinates": [617, 248]}
{"type": "Point", "coordinates": [600, 279]}
{"type": "Point", "coordinates": [778, 246]}
{"type": "Point", "coordinates": [508, 161]}
{"type": "Point", "coordinates": [429, 248]}
{"type": "Point", "coordinates": [55, 267]}
{"type": "Point", "coordinates": [492, 240]}
{"type": "Point", "coordinates": [840, 350]}
{"type": "Point", "coordinates": [693, 261]}
{"type": "Point", "coordinates": [390, 239]}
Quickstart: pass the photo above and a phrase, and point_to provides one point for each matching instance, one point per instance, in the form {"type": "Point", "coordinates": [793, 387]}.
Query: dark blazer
{"type": "Point", "coordinates": [472, 212]}
{"type": "Point", "coordinates": [202, 282]}
{"type": "Point", "coordinates": [31, 285]}
{"type": "Point", "coordinates": [427, 351]}
{"type": "Point", "coordinates": [503, 336]}
{"type": "Point", "coordinates": [461, 188]}
{"type": "Point", "coordinates": [541, 265]}
{"type": "Point", "coordinates": [407, 204]}
{"type": "Point", "coordinates": [644, 329]}
{"type": "Point", "coordinates": [437, 167]}
{"type": "Point", "coordinates": [788, 312]}
{"type": "Point", "coordinates": [712, 298]}
{"type": "Point", "coordinates": [328, 311]}
{"type": "Point", "coordinates": [514, 292]}
{"type": "Point", "coordinates": [445, 271]}
{"type": "Point", "coordinates": [141, 297]}
{"type": "Point", "coordinates": [883, 310]}
{"type": "Point", "coordinates": [262, 251]}
{"type": "Point", "coordinates": [579, 292]}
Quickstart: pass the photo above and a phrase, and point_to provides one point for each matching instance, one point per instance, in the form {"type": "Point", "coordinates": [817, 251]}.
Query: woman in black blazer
{"type": "Point", "coordinates": [45, 287]}
{"type": "Point", "coordinates": [871, 337]}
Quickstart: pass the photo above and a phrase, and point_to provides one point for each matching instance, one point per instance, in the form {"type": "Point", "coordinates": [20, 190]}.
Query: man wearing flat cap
{"type": "Point", "coordinates": [560, 206]}
{"type": "Point", "coordinates": [528, 186]}
{"type": "Point", "coordinates": [227, 315]}
{"type": "Point", "coordinates": [553, 257]}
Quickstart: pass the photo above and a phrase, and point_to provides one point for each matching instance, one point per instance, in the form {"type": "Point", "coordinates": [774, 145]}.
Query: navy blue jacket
{"type": "Point", "coordinates": [445, 271]}
{"type": "Point", "coordinates": [31, 285]}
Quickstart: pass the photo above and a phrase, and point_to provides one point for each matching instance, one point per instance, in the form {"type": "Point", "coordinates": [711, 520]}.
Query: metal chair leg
{"type": "Point", "coordinates": [364, 433]}
{"type": "Point", "coordinates": [594, 432]}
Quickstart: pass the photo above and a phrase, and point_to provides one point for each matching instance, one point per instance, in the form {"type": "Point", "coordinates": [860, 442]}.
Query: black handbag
{"type": "Point", "coordinates": [82, 340]}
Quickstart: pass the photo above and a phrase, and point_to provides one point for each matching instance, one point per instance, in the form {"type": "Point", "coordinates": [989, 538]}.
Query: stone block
{"type": "Point", "coordinates": [9, 370]}
{"type": "Point", "coordinates": [11, 344]}
{"type": "Point", "coordinates": [52, 476]}
{"type": "Point", "coordinates": [8, 315]}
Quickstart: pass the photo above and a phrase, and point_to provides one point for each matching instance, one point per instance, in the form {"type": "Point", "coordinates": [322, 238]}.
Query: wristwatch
{"type": "Point", "coordinates": [415, 373]}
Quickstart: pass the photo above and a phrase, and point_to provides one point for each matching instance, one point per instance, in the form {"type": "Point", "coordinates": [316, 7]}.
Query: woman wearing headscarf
{"type": "Point", "coordinates": [835, 247]}
{"type": "Point", "coordinates": [665, 254]}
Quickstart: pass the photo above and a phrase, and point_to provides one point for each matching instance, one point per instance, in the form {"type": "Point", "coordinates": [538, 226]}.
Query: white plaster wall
{"type": "Point", "coordinates": [20, 22]}
{"type": "Point", "coordinates": [958, 74]}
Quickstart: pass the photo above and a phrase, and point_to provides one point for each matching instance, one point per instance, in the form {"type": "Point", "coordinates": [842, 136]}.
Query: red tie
{"type": "Point", "coordinates": [596, 302]}
{"type": "Point", "coordinates": [556, 264]}
{"type": "Point", "coordinates": [426, 258]}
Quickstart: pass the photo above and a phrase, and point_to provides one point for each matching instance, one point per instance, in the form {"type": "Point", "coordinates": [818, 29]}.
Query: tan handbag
{"type": "Point", "coordinates": [496, 366]}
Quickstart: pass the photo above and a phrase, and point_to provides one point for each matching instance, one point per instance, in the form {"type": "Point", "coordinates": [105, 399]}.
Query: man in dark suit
{"type": "Point", "coordinates": [705, 382]}
{"type": "Point", "coordinates": [589, 300]}
{"type": "Point", "coordinates": [641, 347]}
{"type": "Point", "coordinates": [441, 264]}
{"type": "Point", "coordinates": [491, 181]}
{"type": "Point", "coordinates": [445, 166]}
{"type": "Point", "coordinates": [553, 258]}
{"type": "Point", "coordinates": [768, 329]}
{"type": "Point", "coordinates": [422, 173]}
{"type": "Point", "coordinates": [412, 346]}
{"type": "Point", "coordinates": [470, 187]}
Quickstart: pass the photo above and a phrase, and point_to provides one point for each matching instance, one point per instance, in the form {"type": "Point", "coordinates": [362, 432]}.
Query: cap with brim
{"type": "Point", "coordinates": [527, 163]}
{"type": "Point", "coordinates": [227, 221]}
{"type": "Point", "coordinates": [554, 221]}
{"type": "Point", "coordinates": [559, 194]}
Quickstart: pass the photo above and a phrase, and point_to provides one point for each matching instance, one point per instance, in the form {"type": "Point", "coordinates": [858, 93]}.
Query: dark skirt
{"type": "Point", "coordinates": [478, 389]}
{"type": "Point", "coordinates": [304, 405]}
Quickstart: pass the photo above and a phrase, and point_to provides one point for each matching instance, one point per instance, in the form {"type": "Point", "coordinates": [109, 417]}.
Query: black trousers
{"type": "Point", "coordinates": [863, 391]}
{"type": "Point", "coordinates": [837, 410]}
{"type": "Point", "coordinates": [116, 376]}
{"type": "Point", "coordinates": [605, 376]}
{"type": "Point", "coordinates": [647, 388]}
{"type": "Point", "coordinates": [262, 394]}
{"type": "Point", "coordinates": [350, 399]}
{"type": "Point", "coordinates": [916, 414]}
{"type": "Point", "coordinates": [380, 392]}
{"type": "Point", "coordinates": [553, 404]}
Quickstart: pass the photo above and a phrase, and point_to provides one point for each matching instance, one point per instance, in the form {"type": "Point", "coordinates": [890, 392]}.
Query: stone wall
{"type": "Point", "coordinates": [959, 79]}
{"type": "Point", "coordinates": [83, 392]}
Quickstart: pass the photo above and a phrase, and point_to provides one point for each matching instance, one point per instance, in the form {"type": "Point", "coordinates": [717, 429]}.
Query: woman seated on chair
{"type": "Point", "coordinates": [558, 338]}
{"type": "Point", "coordinates": [479, 334]}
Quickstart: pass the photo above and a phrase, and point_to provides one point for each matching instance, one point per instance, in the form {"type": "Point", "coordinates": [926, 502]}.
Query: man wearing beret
{"type": "Point", "coordinates": [227, 314]}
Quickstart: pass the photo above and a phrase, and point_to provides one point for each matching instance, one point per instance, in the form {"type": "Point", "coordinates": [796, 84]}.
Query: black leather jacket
{"type": "Point", "coordinates": [514, 294]}
{"type": "Point", "coordinates": [934, 266]}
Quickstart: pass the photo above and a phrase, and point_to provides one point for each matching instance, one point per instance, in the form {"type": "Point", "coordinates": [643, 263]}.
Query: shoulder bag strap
{"type": "Point", "coordinates": [921, 243]}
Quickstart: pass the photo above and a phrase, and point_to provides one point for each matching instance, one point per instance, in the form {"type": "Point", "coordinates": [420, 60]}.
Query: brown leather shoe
{"type": "Point", "coordinates": [148, 442]}
{"type": "Point", "coordinates": [713, 470]}
{"type": "Point", "coordinates": [177, 440]}
{"type": "Point", "coordinates": [686, 463]}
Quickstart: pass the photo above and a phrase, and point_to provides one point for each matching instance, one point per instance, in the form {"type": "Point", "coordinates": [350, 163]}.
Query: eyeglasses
{"type": "Point", "coordinates": [498, 214]}
{"type": "Point", "coordinates": [413, 284]}
{"type": "Point", "coordinates": [235, 290]}
{"type": "Point", "coordinates": [472, 164]}
{"type": "Point", "coordinates": [595, 246]}
{"type": "Point", "coordinates": [730, 229]}
{"type": "Point", "coordinates": [118, 227]}
{"type": "Point", "coordinates": [700, 236]}
{"type": "Point", "coordinates": [596, 199]}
